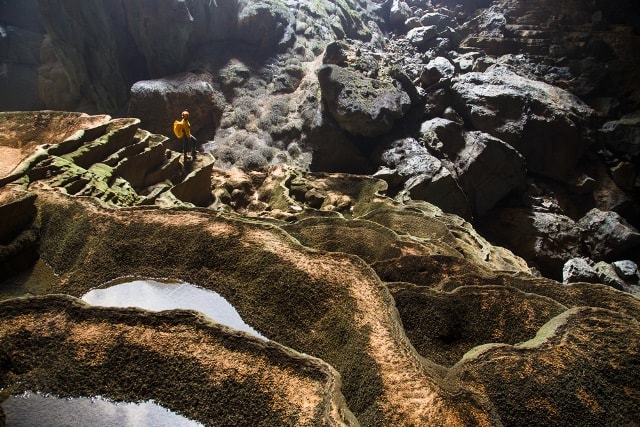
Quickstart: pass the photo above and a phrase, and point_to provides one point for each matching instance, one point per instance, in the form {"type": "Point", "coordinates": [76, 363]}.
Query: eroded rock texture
{"type": "Point", "coordinates": [379, 313]}
{"type": "Point", "coordinates": [348, 152]}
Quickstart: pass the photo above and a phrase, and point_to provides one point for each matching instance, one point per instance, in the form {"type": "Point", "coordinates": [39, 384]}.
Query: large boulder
{"type": "Point", "coordinates": [438, 19]}
{"type": "Point", "coordinates": [263, 24]}
{"type": "Point", "coordinates": [439, 68]}
{"type": "Point", "coordinates": [623, 135]}
{"type": "Point", "coordinates": [439, 187]}
{"type": "Point", "coordinates": [544, 239]}
{"type": "Point", "coordinates": [579, 270]}
{"type": "Point", "coordinates": [543, 122]}
{"type": "Point", "coordinates": [423, 177]}
{"type": "Point", "coordinates": [607, 234]}
{"type": "Point", "coordinates": [627, 270]}
{"type": "Point", "coordinates": [608, 275]}
{"type": "Point", "coordinates": [361, 106]}
{"type": "Point", "coordinates": [399, 13]}
{"type": "Point", "coordinates": [486, 168]}
{"type": "Point", "coordinates": [159, 102]}
{"type": "Point", "coordinates": [421, 37]}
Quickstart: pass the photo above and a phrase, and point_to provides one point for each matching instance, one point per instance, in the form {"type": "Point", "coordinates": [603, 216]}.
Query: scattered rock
{"type": "Point", "coordinates": [579, 270]}
{"type": "Point", "coordinates": [436, 19]}
{"type": "Point", "coordinates": [608, 275]}
{"type": "Point", "coordinates": [607, 234]}
{"type": "Point", "coordinates": [623, 135]}
{"type": "Point", "coordinates": [421, 37]}
{"type": "Point", "coordinates": [535, 118]}
{"type": "Point", "coordinates": [436, 70]}
{"type": "Point", "coordinates": [423, 177]}
{"type": "Point", "coordinates": [627, 271]}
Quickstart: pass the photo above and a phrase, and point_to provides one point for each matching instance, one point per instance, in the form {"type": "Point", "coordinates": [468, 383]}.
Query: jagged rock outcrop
{"type": "Point", "coordinates": [112, 160]}
{"type": "Point", "coordinates": [542, 122]}
{"type": "Point", "coordinates": [361, 106]}
{"type": "Point", "coordinates": [607, 234]}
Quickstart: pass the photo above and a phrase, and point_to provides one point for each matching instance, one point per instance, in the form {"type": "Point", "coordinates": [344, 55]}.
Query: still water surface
{"type": "Point", "coordinates": [37, 410]}
{"type": "Point", "coordinates": [158, 296]}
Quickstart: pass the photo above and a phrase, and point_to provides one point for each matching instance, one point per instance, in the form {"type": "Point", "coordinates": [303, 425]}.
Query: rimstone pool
{"type": "Point", "coordinates": [40, 410]}
{"type": "Point", "coordinates": [155, 295]}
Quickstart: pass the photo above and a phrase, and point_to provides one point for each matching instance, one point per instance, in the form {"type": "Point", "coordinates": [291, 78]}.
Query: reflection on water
{"type": "Point", "coordinates": [157, 296]}
{"type": "Point", "coordinates": [37, 280]}
{"type": "Point", "coordinates": [36, 410]}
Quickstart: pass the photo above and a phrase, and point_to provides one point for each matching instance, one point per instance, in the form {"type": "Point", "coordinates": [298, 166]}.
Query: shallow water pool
{"type": "Point", "coordinates": [37, 410]}
{"type": "Point", "coordinates": [157, 295]}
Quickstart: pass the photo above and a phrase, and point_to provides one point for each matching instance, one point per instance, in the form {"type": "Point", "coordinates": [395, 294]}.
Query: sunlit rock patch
{"type": "Point", "coordinates": [181, 360]}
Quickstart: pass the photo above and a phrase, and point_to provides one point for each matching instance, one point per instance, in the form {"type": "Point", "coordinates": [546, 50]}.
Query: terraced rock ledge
{"type": "Point", "coordinates": [380, 313]}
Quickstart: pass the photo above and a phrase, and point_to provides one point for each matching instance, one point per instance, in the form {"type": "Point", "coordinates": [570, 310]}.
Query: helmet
{"type": "Point", "coordinates": [185, 114]}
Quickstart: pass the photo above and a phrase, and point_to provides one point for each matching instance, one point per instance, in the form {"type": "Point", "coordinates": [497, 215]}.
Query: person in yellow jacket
{"type": "Point", "coordinates": [182, 130]}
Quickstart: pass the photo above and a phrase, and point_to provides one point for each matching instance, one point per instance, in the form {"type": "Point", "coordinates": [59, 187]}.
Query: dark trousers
{"type": "Point", "coordinates": [189, 145]}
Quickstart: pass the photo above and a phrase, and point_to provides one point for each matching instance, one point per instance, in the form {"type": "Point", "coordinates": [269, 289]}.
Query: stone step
{"type": "Point", "coordinates": [119, 133]}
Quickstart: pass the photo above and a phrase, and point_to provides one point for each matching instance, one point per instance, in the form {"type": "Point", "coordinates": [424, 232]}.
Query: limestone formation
{"type": "Point", "coordinates": [359, 164]}
{"type": "Point", "coordinates": [161, 101]}
{"type": "Point", "coordinates": [541, 121]}
{"type": "Point", "coordinates": [361, 106]}
{"type": "Point", "coordinates": [323, 264]}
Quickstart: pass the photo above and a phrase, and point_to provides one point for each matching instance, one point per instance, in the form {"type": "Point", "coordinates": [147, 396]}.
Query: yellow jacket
{"type": "Point", "coordinates": [182, 128]}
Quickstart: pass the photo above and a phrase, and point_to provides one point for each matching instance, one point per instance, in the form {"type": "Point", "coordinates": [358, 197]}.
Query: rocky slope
{"type": "Point", "coordinates": [520, 118]}
{"type": "Point", "coordinates": [350, 150]}
{"type": "Point", "coordinates": [379, 313]}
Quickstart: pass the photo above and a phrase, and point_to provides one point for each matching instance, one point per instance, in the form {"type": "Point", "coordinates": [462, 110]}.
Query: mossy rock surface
{"type": "Point", "coordinates": [380, 313]}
